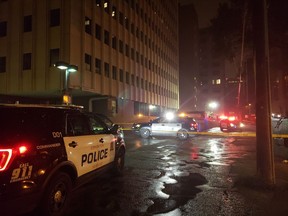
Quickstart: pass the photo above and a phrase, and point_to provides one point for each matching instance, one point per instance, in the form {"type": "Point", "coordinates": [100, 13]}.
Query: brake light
{"type": "Point", "coordinates": [231, 118]}
{"type": "Point", "coordinates": [5, 156]}
{"type": "Point", "coordinates": [194, 125]}
{"type": "Point", "coordinates": [222, 117]}
{"type": "Point", "coordinates": [22, 149]}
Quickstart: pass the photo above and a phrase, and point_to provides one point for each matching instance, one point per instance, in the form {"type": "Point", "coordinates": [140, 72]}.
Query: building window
{"type": "Point", "coordinates": [98, 32]}
{"type": "Point", "coordinates": [127, 77]}
{"type": "Point", "coordinates": [114, 12]}
{"type": "Point", "coordinates": [2, 64]}
{"type": "Point", "coordinates": [127, 50]}
{"type": "Point", "coordinates": [98, 66]}
{"type": "Point", "coordinates": [87, 62]}
{"type": "Point", "coordinates": [121, 46]}
{"type": "Point", "coordinates": [107, 69]}
{"type": "Point", "coordinates": [137, 81]}
{"type": "Point", "coordinates": [27, 57]}
{"type": "Point", "coordinates": [114, 42]}
{"type": "Point", "coordinates": [106, 6]}
{"type": "Point", "coordinates": [142, 83]}
{"type": "Point", "coordinates": [141, 36]}
{"type": "Point", "coordinates": [114, 73]}
{"type": "Point", "coordinates": [88, 28]}
{"type": "Point", "coordinates": [98, 3]}
{"type": "Point", "coordinates": [54, 56]}
{"type": "Point", "coordinates": [137, 32]}
{"type": "Point", "coordinates": [132, 53]}
{"type": "Point", "coordinates": [137, 56]}
{"type": "Point", "coordinates": [126, 23]}
{"type": "Point", "coordinates": [54, 17]}
{"type": "Point", "coordinates": [27, 23]}
{"type": "Point", "coordinates": [121, 75]}
{"type": "Point", "coordinates": [3, 29]}
{"type": "Point", "coordinates": [132, 79]}
{"type": "Point", "coordinates": [106, 37]}
{"type": "Point", "coordinates": [121, 18]}
{"type": "Point", "coordinates": [132, 28]}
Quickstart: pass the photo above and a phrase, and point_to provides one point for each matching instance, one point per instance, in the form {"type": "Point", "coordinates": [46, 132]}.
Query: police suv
{"type": "Point", "coordinates": [46, 150]}
{"type": "Point", "coordinates": [180, 127]}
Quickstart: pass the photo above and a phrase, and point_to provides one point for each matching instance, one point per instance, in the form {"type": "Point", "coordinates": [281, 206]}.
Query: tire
{"type": "Point", "coordinates": [57, 195]}
{"type": "Point", "coordinates": [182, 134]}
{"type": "Point", "coordinates": [119, 162]}
{"type": "Point", "coordinates": [145, 133]}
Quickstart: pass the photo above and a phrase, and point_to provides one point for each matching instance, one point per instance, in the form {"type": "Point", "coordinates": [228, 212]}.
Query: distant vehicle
{"type": "Point", "coordinates": [230, 123]}
{"type": "Point", "coordinates": [177, 127]}
{"type": "Point", "coordinates": [46, 150]}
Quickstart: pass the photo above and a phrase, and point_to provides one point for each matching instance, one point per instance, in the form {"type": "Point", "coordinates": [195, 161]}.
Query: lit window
{"type": "Point", "coordinates": [218, 81]}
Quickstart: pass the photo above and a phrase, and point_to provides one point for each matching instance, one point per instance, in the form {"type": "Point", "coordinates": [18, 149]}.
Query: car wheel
{"type": "Point", "coordinates": [145, 133]}
{"type": "Point", "coordinates": [57, 195]}
{"type": "Point", "coordinates": [119, 162]}
{"type": "Point", "coordinates": [182, 134]}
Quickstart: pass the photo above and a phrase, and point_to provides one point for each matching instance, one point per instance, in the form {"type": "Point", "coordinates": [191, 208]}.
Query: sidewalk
{"type": "Point", "coordinates": [265, 200]}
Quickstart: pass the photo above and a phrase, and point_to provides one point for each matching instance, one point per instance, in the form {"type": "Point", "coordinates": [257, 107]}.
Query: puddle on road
{"type": "Point", "coordinates": [179, 193]}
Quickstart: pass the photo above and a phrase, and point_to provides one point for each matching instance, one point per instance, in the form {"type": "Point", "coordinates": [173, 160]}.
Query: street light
{"type": "Point", "coordinates": [213, 105]}
{"type": "Point", "coordinates": [68, 69]}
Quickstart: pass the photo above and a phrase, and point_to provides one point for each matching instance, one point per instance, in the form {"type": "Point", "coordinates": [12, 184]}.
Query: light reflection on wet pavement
{"type": "Point", "coordinates": [167, 177]}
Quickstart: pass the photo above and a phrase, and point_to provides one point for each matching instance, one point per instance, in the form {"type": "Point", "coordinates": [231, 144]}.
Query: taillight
{"type": "Point", "coordinates": [194, 125]}
{"type": "Point", "coordinates": [5, 156]}
{"type": "Point", "coordinates": [231, 118]}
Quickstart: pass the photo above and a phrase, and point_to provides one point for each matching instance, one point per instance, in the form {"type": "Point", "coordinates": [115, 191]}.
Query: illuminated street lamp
{"type": "Point", "coordinates": [213, 105]}
{"type": "Point", "coordinates": [68, 69]}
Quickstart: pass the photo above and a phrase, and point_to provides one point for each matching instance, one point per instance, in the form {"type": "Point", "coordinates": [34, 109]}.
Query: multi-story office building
{"type": "Point", "coordinates": [126, 52]}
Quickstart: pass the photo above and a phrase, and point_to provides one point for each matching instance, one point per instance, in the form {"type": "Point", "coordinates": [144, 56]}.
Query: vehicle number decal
{"type": "Point", "coordinates": [57, 134]}
{"type": "Point", "coordinates": [23, 172]}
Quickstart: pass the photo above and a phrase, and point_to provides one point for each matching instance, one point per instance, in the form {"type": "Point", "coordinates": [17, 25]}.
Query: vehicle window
{"type": "Point", "coordinates": [29, 122]}
{"type": "Point", "coordinates": [105, 119]}
{"type": "Point", "coordinates": [96, 126]}
{"type": "Point", "coordinates": [157, 120]}
{"type": "Point", "coordinates": [78, 125]}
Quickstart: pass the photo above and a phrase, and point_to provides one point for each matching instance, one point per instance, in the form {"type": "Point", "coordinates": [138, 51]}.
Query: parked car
{"type": "Point", "coordinates": [47, 150]}
{"type": "Point", "coordinates": [231, 123]}
{"type": "Point", "coordinates": [177, 127]}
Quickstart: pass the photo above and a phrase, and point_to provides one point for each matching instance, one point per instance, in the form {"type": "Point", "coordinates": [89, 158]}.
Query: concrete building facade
{"type": "Point", "coordinates": [126, 52]}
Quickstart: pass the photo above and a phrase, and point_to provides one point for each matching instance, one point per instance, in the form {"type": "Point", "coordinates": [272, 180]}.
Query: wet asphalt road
{"type": "Point", "coordinates": [168, 177]}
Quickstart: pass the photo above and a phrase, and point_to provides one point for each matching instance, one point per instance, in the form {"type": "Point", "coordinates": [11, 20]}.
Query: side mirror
{"type": "Point", "coordinates": [115, 129]}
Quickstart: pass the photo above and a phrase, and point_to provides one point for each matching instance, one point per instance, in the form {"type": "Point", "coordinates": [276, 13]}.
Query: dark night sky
{"type": "Point", "coordinates": [206, 10]}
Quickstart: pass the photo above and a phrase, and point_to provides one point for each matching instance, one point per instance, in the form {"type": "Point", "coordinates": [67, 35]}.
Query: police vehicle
{"type": "Point", "coordinates": [180, 127]}
{"type": "Point", "coordinates": [47, 150]}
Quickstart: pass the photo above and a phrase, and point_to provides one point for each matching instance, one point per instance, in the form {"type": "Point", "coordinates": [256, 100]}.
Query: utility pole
{"type": "Point", "coordinates": [265, 154]}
